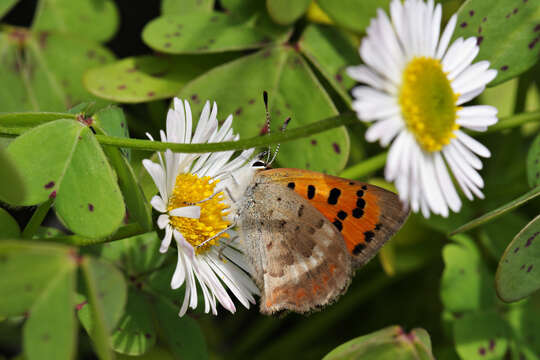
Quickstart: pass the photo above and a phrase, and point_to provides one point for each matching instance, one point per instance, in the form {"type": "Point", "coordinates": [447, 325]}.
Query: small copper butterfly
{"type": "Point", "coordinates": [305, 233]}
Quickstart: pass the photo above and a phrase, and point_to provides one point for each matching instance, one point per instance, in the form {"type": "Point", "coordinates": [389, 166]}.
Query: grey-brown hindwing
{"type": "Point", "coordinates": [300, 261]}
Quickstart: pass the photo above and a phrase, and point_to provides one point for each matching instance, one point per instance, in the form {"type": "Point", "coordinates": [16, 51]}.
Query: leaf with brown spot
{"type": "Point", "coordinates": [36, 76]}
{"type": "Point", "coordinates": [509, 38]}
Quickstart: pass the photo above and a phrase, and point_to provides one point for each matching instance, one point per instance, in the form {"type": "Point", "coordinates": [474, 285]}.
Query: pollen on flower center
{"type": "Point", "coordinates": [428, 103]}
{"type": "Point", "coordinates": [189, 189]}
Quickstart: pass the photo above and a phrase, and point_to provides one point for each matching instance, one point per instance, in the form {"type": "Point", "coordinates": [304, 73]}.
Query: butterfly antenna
{"type": "Point", "coordinates": [267, 124]}
{"type": "Point", "coordinates": [283, 128]}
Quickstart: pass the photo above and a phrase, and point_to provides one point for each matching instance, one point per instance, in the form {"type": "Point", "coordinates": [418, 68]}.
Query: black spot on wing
{"type": "Point", "coordinates": [334, 196]}
{"type": "Point", "coordinates": [358, 213]}
{"type": "Point", "coordinates": [342, 215]}
{"type": "Point", "coordinates": [368, 236]}
{"type": "Point", "coordinates": [358, 248]}
{"type": "Point", "coordinates": [310, 192]}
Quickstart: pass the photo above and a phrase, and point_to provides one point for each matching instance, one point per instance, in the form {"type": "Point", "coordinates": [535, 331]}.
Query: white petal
{"type": "Point", "coordinates": [458, 54]}
{"type": "Point", "coordinates": [399, 20]}
{"type": "Point", "coordinates": [166, 242]}
{"type": "Point", "coordinates": [477, 111]}
{"type": "Point", "coordinates": [202, 125]}
{"type": "Point", "coordinates": [446, 36]}
{"type": "Point", "coordinates": [163, 221]}
{"type": "Point", "coordinates": [190, 288]}
{"type": "Point", "coordinates": [424, 207]}
{"type": "Point", "coordinates": [472, 144]}
{"type": "Point", "coordinates": [473, 123]}
{"type": "Point", "coordinates": [384, 130]}
{"type": "Point", "coordinates": [464, 60]}
{"type": "Point", "coordinates": [467, 155]}
{"type": "Point", "coordinates": [176, 122]}
{"type": "Point", "coordinates": [182, 243]}
{"type": "Point", "coordinates": [189, 122]}
{"type": "Point", "coordinates": [431, 192]}
{"type": "Point", "coordinates": [157, 173]}
{"type": "Point", "coordinates": [179, 275]}
{"type": "Point", "coordinates": [394, 128]}
{"type": "Point", "coordinates": [228, 278]}
{"type": "Point", "coordinates": [384, 38]}
{"type": "Point", "coordinates": [394, 156]}
{"type": "Point", "coordinates": [215, 286]}
{"type": "Point", "coordinates": [468, 96]}
{"type": "Point", "coordinates": [475, 76]}
{"type": "Point", "coordinates": [445, 181]}
{"type": "Point", "coordinates": [365, 75]}
{"type": "Point", "coordinates": [371, 104]}
{"type": "Point", "coordinates": [466, 168]}
{"type": "Point", "coordinates": [477, 128]}
{"type": "Point", "coordinates": [435, 29]}
{"type": "Point", "coordinates": [192, 212]}
{"type": "Point", "coordinates": [458, 175]}
{"type": "Point", "coordinates": [158, 204]}
{"type": "Point", "coordinates": [377, 59]}
{"type": "Point", "coordinates": [237, 257]}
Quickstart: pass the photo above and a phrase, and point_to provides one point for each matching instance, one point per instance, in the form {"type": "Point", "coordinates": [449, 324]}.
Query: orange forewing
{"type": "Point", "coordinates": [366, 215]}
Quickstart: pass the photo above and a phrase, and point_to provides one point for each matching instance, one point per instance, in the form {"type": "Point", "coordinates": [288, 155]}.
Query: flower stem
{"type": "Point", "coordinates": [513, 121]}
{"type": "Point", "coordinates": [36, 219]}
{"type": "Point", "coordinates": [257, 141]}
{"type": "Point", "coordinates": [365, 167]}
{"type": "Point", "coordinates": [492, 215]}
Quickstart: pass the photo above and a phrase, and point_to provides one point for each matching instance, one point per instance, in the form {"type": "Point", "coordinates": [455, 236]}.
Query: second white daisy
{"type": "Point", "coordinates": [416, 85]}
{"type": "Point", "coordinates": [195, 193]}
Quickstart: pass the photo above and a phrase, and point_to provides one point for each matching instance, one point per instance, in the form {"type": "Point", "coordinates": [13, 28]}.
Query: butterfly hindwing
{"type": "Point", "coordinates": [365, 215]}
{"type": "Point", "coordinates": [299, 259]}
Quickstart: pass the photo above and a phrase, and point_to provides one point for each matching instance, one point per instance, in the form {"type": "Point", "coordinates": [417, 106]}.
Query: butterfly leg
{"type": "Point", "coordinates": [201, 201]}
{"type": "Point", "coordinates": [218, 234]}
{"type": "Point", "coordinates": [228, 243]}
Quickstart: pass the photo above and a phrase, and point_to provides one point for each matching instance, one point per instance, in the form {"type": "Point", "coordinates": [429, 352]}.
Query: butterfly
{"type": "Point", "coordinates": [305, 233]}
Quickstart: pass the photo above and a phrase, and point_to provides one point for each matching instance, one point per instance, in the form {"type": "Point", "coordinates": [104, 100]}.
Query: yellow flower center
{"type": "Point", "coordinates": [428, 103]}
{"type": "Point", "coordinates": [189, 189]}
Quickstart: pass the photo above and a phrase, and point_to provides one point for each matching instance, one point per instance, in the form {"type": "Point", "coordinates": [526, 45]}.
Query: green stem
{"type": "Point", "coordinates": [513, 121]}
{"type": "Point", "coordinates": [492, 215]}
{"type": "Point", "coordinates": [29, 119]}
{"type": "Point", "coordinates": [257, 141]}
{"type": "Point", "coordinates": [120, 234]}
{"type": "Point", "coordinates": [365, 167]}
{"type": "Point", "coordinates": [36, 219]}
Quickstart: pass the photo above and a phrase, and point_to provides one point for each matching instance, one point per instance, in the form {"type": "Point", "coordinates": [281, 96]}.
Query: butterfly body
{"type": "Point", "coordinates": [306, 232]}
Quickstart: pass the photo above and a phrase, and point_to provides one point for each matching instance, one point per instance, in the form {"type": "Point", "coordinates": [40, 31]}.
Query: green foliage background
{"type": "Point", "coordinates": [80, 279]}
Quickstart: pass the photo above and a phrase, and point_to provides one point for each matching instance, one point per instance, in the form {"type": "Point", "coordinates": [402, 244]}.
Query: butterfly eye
{"type": "Point", "coordinates": [258, 164]}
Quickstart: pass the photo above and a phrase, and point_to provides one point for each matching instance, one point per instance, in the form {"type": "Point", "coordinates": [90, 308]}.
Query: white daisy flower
{"type": "Point", "coordinates": [195, 193]}
{"type": "Point", "coordinates": [416, 85]}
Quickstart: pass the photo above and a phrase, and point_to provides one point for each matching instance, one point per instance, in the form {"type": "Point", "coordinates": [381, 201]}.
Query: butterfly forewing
{"type": "Point", "coordinates": [366, 215]}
